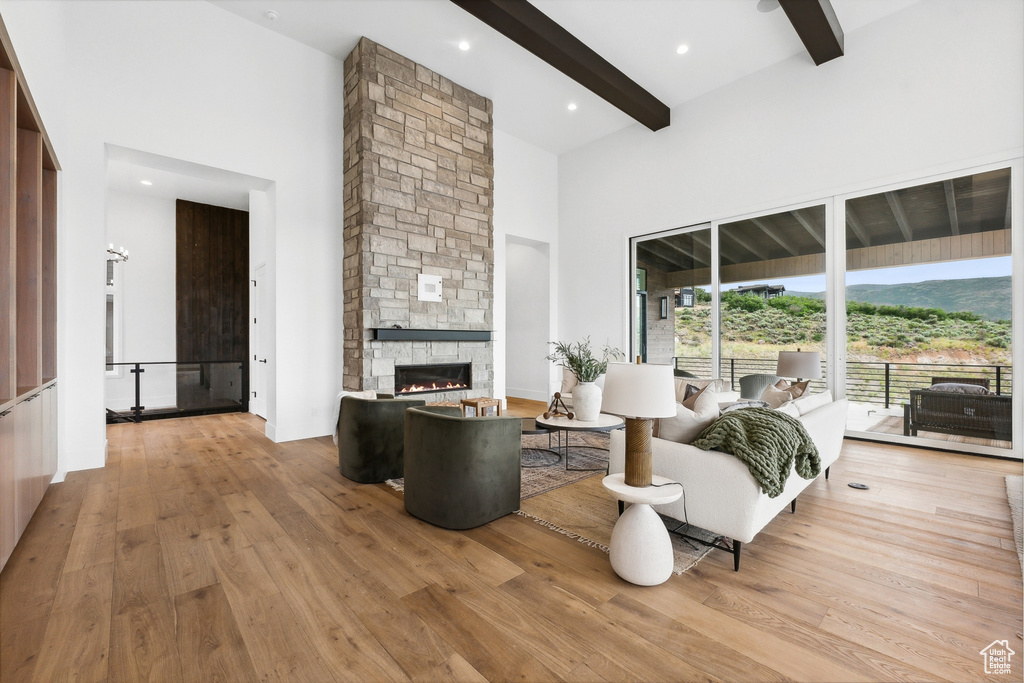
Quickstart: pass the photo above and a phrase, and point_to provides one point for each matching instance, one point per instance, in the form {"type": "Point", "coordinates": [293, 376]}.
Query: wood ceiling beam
{"type": "Point", "coordinates": [771, 234]}
{"type": "Point", "coordinates": [740, 241]}
{"type": "Point", "coordinates": [812, 229]}
{"type": "Point", "coordinates": [954, 220]}
{"type": "Point", "coordinates": [526, 25]}
{"type": "Point", "coordinates": [689, 253]}
{"type": "Point", "coordinates": [816, 23]}
{"type": "Point", "coordinates": [858, 228]}
{"type": "Point", "coordinates": [653, 258]}
{"type": "Point", "coordinates": [900, 215]}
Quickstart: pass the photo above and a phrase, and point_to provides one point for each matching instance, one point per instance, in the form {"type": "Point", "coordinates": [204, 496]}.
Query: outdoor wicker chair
{"type": "Point", "coordinates": [987, 416]}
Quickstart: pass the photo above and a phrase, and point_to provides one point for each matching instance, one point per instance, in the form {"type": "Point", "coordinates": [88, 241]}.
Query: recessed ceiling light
{"type": "Point", "coordinates": [271, 15]}
{"type": "Point", "coordinates": [572, 106]}
{"type": "Point", "coordinates": [146, 182]}
{"type": "Point", "coordinates": [767, 5]}
{"type": "Point", "coordinates": [464, 45]}
{"type": "Point", "coordinates": [682, 49]}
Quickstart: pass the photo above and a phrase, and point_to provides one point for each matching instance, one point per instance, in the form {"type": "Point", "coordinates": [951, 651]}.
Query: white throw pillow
{"type": "Point", "coordinates": [809, 402]}
{"type": "Point", "coordinates": [775, 398]}
{"type": "Point", "coordinates": [687, 424]}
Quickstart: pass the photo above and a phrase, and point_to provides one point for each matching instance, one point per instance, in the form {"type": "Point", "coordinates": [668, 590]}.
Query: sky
{"type": "Point", "coordinates": [951, 270]}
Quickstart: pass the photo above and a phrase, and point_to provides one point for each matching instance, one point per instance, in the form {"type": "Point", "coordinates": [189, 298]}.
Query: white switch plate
{"type": "Point", "coordinates": [429, 287]}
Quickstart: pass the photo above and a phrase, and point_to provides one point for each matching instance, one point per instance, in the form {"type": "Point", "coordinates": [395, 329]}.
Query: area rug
{"type": "Point", "coordinates": [575, 503]}
{"type": "Point", "coordinates": [1014, 493]}
{"type": "Point", "coordinates": [586, 512]}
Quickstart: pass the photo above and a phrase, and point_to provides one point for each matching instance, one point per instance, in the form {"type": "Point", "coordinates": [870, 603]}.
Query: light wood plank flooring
{"type": "Point", "coordinates": [203, 551]}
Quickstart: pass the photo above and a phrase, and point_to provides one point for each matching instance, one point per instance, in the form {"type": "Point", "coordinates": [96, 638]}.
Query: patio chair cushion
{"type": "Point", "coordinates": [958, 388]}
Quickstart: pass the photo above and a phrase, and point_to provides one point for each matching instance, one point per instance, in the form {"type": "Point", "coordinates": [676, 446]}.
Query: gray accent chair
{"type": "Point", "coordinates": [752, 386]}
{"type": "Point", "coordinates": [461, 472]}
{"type": "Point", "coordinates": [371, 437]}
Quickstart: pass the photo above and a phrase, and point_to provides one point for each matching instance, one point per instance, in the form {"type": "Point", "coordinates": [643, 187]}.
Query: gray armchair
{"type": "Point", "coordinates": [461, 472]}
{"type": "Point", "coordinates": [371, 437]}
{"type": "Point", "coordinates": [752, 386]}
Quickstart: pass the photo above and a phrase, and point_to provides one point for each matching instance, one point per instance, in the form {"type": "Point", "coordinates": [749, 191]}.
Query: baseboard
{"type": "Point", "coordinates": [528, 394]}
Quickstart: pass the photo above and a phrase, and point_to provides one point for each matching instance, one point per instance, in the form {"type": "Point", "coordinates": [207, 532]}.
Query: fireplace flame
{"type": "Point", "coordinates": [416, 388]}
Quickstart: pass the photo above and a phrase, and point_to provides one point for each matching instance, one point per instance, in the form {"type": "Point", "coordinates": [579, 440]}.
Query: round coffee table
{"type": "Point", "coordinates": [641, 550]}
{"type": "Point", "coordinates": [603, 423]}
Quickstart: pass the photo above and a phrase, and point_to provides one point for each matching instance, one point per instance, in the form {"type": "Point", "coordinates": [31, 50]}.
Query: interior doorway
{"type": "Point", "coordinates": [527, 318]}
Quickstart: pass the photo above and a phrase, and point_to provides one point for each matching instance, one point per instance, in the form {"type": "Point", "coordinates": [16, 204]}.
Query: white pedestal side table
{"type": "Point", "coordinates": [641, 550]}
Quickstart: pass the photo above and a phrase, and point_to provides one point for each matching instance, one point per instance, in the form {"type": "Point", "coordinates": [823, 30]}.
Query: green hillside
{"type": "Point", "coordinates": [989, 297]}
{"type": "Point", "coordinates": [755, 328]}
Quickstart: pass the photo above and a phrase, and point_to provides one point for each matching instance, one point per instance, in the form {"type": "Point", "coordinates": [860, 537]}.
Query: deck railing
{"type": "Point", "coordinates": [881, 382]}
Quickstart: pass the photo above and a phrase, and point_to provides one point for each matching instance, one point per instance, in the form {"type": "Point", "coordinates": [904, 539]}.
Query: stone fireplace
{"type": "Point", "coordinates": [419, 182]}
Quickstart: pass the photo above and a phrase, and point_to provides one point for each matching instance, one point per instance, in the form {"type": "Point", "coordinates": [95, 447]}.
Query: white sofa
{"type": "Point", "coordinates": [719, 493]}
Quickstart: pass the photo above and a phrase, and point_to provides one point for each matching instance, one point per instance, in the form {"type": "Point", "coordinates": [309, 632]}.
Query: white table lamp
{"type": "Point", "coordinates": [639, 393]}
{"type": "Point", "coordinates": [799, 364]}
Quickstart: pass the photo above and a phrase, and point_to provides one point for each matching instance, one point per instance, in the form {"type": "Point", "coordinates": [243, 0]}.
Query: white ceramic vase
{"type": "Point", "coordinates": [586, 401]}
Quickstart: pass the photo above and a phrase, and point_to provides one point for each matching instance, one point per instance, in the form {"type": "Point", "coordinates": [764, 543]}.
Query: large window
{"type": "Point", "coordinates": [928, 298]}
{"type": "Point", "coordinates": [772, 291]}
{"type": "Point", "coordinates": [897, 290]}
{"type": "Point", "coordinates": [673, 308]}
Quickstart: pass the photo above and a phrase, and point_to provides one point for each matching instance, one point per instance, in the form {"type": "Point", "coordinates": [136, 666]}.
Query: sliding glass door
{"type": "Point", "coordinates": [929, 317]}
{"type": "Point", "coordinates": [905, 293]}
{"type": "Point", "coordinates": [673, 311]}
{"type": "Point", "coordinates": [773, 295]}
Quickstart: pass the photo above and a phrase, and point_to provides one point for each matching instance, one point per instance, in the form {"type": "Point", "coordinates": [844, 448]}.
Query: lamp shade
{"type": "Point", "coordinates": [803, 364]}
{"type": "Point", "coordinates": [639, 391]}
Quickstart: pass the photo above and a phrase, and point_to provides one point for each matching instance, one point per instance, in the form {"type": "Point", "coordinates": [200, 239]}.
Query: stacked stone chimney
{"type": "Point", "coordinates": [419, 187]}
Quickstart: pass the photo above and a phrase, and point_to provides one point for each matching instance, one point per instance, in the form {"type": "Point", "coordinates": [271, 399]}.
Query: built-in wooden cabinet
{"type": "Point", "coordinates": [28, 304]}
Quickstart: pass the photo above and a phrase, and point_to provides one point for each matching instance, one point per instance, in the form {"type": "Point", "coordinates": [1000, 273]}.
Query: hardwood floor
{"type": "Point", "coordinates": [203, 551]}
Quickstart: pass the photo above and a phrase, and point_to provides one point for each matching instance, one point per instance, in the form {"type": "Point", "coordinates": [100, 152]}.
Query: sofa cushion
{"type": "Point", "coordinates": [806, 404]}
{"type": "Point", "coordinates": [691, 395]}
{"type": "Point", "coordinates": [790, 409]}
{"type": "Point", "coordinates": [775, 397]}
{"type": "Point", "coordinates": [959, 388]}
{"type": "Point", "coordinates": [717, 385]}
{"type": "Point", "coordinates": [796, 389]}
{"type": "Point", "coordinates": [687, 424]}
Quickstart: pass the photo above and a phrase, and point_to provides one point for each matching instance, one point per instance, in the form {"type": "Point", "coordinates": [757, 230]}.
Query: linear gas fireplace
{"type": "Point", "coordinates": [422, 379]}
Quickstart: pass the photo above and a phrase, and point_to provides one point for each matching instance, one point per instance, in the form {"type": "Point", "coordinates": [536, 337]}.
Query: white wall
{"type": "Point", "coordinates": [190, 81]}
{"type": "Point", "coordinates": [146, 227]}
{"type": "Point", "coordinates": [526, 207]}
{"type": "Point", "coordinates": [939, 85]}
{"type": "Point", "coordinates": [527, 302]}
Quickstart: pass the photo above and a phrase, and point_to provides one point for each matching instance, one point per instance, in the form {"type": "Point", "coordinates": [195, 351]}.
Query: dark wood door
{"type": "Point", "coordinates": [212, 277]}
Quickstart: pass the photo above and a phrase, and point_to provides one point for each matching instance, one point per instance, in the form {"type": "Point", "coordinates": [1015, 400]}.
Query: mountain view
{"type": "Point", "coordinates": [988, 297]}
{"type": "Point", "coordinates": [952, 321]}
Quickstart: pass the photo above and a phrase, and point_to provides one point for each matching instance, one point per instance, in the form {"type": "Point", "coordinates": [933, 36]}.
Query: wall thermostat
{"type": "Point", "coordinates": [429, 287]}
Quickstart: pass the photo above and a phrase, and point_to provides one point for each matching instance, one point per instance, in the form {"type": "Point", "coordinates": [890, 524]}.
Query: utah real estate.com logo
{"type": "Point", "coordinates": [997, 657]}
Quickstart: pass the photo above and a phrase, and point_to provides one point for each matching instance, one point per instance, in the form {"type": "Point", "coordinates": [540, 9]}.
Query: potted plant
{"type": "Point", "coordinates": [580, 361]}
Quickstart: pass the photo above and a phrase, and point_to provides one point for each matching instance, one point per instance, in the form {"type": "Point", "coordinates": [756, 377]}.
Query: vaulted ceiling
{"type": "Point", "coordinates": [725, 39]}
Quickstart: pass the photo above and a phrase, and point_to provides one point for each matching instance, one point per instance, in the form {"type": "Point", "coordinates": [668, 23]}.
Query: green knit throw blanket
{"type": "Point", "coordinates": [768, 441]}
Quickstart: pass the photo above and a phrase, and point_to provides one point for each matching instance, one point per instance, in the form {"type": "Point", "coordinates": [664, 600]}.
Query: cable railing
{"type": "Point", "coordinates": [161, 389]}
{"type": "Point", "coordinates": [875, 382]}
